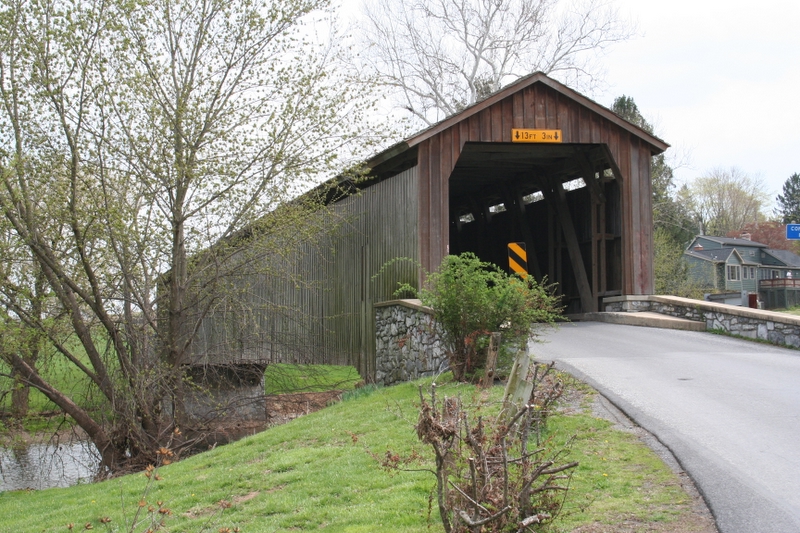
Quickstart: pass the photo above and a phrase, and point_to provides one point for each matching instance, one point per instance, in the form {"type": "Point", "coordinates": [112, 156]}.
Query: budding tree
{"type": "Point", "coordinates": [725, 200]}
{"type": "Point", "coordinates": [137, 139]}
{"type": "Point", "coordinates": [439, 56]}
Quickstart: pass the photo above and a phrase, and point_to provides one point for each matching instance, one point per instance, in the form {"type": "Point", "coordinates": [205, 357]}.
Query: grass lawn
{"type": "Point", "coordinates": [318, 472]}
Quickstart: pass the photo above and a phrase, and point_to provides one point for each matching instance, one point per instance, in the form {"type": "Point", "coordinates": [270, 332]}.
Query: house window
{"type": "Point", "coordinates": [734, 273]}
{"type": "Point", "coordinates": [752, 272]}
{"type": "Point", "coordinates": [745, 273]}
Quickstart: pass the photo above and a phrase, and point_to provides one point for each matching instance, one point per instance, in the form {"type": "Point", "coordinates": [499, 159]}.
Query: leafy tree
{"type": "Point", "coordinates": [138, 140]}
{"type": "Point", "coordinates": [27, 298]}
{"type": "Point", "coordinates": [770, 232]}
{"type": "Point", "coordinates": [726, 200]}
{"type": "Point", "coordinates": [789, 201]}
{"type": "Point", "coordinates": [471, 298]}
{"type": "Point", "coordinates": [437, 57]}
{"type": "Point", "coordinates": [670, 269]}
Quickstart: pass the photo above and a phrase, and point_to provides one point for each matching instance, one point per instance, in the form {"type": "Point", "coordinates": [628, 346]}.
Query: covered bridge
{"type": "Point", "coordinates": [580, 200]}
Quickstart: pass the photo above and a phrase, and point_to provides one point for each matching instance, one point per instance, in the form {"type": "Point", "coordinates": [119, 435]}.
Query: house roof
{"type": "Point", "coordinates": [715, 256]}
{"type": "Point", "coordinates": [788, 258]}
{"type": "Point", "coordinates": [731, 241]}
{"type": "Point", "coordinates": [657, 145]}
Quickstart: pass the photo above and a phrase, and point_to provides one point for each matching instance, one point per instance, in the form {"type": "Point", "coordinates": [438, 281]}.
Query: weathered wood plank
{"type": "Point", "coordinates": [485, 117]}
{"type": "Point", "coordinates": [474, 128]}
{"type": "Point", "coordinates": [540, 107]}
{"type": "Point", "coordinates": [496, 113]}
{"type": "Point", "coordinates": [507, 119]}
{"type": "Point", "coordinates": [551, 109]}
{"type": "Point", "coordinates": [518, 110]}
{"type": "Point", "coordinates": [424, 205]}
{"type": "Point", "coordinates": [437, 218]}
{"type": "Point", "coordinates": [563, 118]}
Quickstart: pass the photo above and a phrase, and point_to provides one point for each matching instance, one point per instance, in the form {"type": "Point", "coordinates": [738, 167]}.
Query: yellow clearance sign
{"type": "Point", "coordinates": [536, 136]}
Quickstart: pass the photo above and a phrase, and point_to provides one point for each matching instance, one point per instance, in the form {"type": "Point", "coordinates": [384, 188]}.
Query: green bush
{"type": "Point", "coordinates": [471, 298]}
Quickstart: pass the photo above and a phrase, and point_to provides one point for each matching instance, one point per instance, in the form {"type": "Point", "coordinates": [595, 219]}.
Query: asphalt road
{"type": "Point", "coordinates": [728, 409]}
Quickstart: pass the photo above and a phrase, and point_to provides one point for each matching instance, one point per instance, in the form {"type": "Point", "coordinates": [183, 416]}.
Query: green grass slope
{"type": "Point", "coordinates": [318, 472]}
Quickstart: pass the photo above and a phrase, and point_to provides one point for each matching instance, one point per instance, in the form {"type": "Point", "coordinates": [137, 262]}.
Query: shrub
{"type": "Point", "coordinates": [492, 473]}
{"type": "Point", "coordinates": [471, 298]}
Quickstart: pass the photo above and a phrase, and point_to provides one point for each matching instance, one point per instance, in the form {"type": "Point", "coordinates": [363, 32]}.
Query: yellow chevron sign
{"type": "Point", "coordinates": [518, 258]}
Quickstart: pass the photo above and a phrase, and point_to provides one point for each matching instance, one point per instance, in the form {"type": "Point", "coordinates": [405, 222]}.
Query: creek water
{"type": "Point", "coordinates": [47, 465]}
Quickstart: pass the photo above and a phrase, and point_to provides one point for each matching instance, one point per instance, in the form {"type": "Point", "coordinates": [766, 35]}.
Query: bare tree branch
{"type": "Point", "coordinates": [440, 56]}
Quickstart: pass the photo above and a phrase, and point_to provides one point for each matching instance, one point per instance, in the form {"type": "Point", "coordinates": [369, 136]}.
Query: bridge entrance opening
{"type": "Point", "coordinates": [562, 200]}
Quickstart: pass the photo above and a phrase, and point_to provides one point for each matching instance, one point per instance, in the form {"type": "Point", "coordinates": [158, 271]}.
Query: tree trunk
{"type": "Point", "coordinates": [111, 456]}
{"type": "Point", "coordinates": [19, 397]}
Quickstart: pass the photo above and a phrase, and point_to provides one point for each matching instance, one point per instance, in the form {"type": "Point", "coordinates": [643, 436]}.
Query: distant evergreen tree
{"type": "Point", "coordinates": [789, 201]}
{"type": "Point", "coordinates": [625, 107]}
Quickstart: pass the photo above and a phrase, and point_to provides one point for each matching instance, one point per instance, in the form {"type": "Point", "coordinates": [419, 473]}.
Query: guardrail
{"type": "Point", "coordinates": [779, 283]}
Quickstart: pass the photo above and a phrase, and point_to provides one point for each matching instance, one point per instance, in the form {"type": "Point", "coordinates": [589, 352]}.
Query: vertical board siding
{"type": "Point", "coordinates": [507, 119]}
{"type": "Point", "coordinates": [384, 227]}
{"type": "Point", "coordinates": [424, 203]}
{"type": "Point", "coordinates": [635, 214]}
{"type": "Point", "coordinates": [646, 222]}
{"type": "Point", "coordinates": [518, 110]}
{"type": "Point", "coordinates": [316, 304]}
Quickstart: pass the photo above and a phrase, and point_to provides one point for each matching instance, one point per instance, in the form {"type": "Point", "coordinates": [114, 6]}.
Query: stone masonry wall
{"type": "Point", "coordinates": [777, 328]}
{"type": "Point", "coordinates": [408, 342]}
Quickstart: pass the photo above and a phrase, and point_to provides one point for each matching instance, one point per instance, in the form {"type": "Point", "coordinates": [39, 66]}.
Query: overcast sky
{"type": "Point", "coordinates": [721, 80]}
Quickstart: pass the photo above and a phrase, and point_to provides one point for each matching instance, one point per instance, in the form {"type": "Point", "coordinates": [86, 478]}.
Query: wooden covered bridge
{"type": "Point", "coordinates": [581, 201]}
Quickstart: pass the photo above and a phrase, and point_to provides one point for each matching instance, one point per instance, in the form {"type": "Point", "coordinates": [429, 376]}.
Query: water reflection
{"type": "Point", "coordinates": [42, 466]}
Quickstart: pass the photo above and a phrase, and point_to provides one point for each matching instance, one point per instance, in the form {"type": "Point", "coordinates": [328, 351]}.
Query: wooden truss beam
{"type": "Point", "coordinates": [555, 195]}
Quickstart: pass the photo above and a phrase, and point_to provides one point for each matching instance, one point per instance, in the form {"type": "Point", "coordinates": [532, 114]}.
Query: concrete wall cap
{"type": "Point", "coordinates": [702, 305]}
{"type": "Point", "coordinates": [411, 303]}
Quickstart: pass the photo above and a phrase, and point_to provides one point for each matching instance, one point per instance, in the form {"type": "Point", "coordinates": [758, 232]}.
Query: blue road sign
{"type": "Point", "coordinates": [793, 232]}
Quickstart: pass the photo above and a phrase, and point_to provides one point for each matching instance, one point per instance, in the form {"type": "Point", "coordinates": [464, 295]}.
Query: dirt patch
{"type": "Point", "coordinates": [276, 488]}
{"type": "Point", "coordinates": [220, 506]}
{"type": "Point", "coordinates": [687, 523]}
{"type": "Point", "coordinates": [245, 497]}
{"type": "Point", "coordinates": [282, 408]}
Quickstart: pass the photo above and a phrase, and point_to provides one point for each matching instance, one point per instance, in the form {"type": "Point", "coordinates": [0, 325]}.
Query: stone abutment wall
{"type": "Point", "coordinates": [777, 328]}
{"type": "Point", "coordinates": [408, 342]}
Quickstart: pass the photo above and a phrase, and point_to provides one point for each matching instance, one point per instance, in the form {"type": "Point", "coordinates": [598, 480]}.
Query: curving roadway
{"type": "Point", "coordinates": [728, 409]}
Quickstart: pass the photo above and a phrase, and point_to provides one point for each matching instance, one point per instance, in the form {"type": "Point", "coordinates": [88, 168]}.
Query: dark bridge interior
{"type": "Point", "coordinates": [562, 200]}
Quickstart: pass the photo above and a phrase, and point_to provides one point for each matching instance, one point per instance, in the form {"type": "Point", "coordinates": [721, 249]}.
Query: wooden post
{"type": "Point", "coordinates": [491, 360]}
{"type": "Point", "coordinates": [520, 385]}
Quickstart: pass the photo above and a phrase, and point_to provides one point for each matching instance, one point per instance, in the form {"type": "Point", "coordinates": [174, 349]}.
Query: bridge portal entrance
{"type": "Point", "coordinates": [562, 200]}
